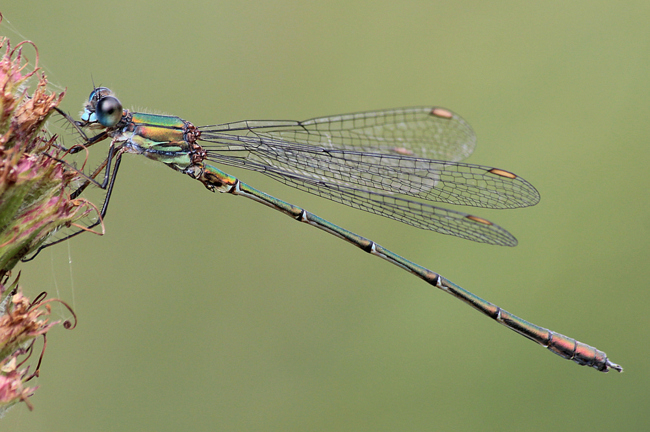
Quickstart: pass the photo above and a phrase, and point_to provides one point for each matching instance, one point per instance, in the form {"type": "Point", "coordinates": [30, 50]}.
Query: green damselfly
{"type": "Point", "coordinates": [367, 160]}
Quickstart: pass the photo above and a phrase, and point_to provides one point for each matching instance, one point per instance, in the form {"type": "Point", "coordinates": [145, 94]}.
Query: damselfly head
{"type": "Point", "coordinates": [103, 109]}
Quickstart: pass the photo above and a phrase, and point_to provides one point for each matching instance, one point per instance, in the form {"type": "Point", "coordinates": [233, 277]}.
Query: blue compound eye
{"type": "Point", "coordinates": [108, 111]}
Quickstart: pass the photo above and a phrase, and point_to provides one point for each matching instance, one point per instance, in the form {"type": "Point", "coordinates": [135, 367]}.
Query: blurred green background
{"type": "Point", "coordinates": [209, 312]}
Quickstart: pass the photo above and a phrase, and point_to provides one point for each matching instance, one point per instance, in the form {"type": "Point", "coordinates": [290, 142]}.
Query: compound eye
{"type": "Point", "coordinates": [108, 111]}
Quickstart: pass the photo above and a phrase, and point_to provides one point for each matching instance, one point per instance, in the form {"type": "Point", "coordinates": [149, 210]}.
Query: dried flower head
{"type": "Point", "coordinates": [33, 198]}
{"type": "Point", "coordinates": [21, 322]}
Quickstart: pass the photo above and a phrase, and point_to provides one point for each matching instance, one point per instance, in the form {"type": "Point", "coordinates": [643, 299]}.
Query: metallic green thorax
{"type": "Point", "coordinates": [166, 139]}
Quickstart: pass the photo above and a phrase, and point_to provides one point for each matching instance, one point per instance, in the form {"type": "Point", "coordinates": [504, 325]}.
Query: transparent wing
{"type": "Point", "coordinates": [379, 150]}
{"type": "Point", "coordinates": [371, 160]}
{"type": "Point", "coordinates": [426, 132]}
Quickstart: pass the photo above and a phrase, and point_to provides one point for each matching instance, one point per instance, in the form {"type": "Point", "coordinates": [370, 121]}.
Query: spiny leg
{"type": "Point", "coordinates": [102, 213]}
{"type": "Point", "coordinates": [114, 154]}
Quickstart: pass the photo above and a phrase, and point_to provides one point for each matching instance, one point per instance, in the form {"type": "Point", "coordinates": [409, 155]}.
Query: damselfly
{"type": "Point", "coordinates": [368, 161]}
